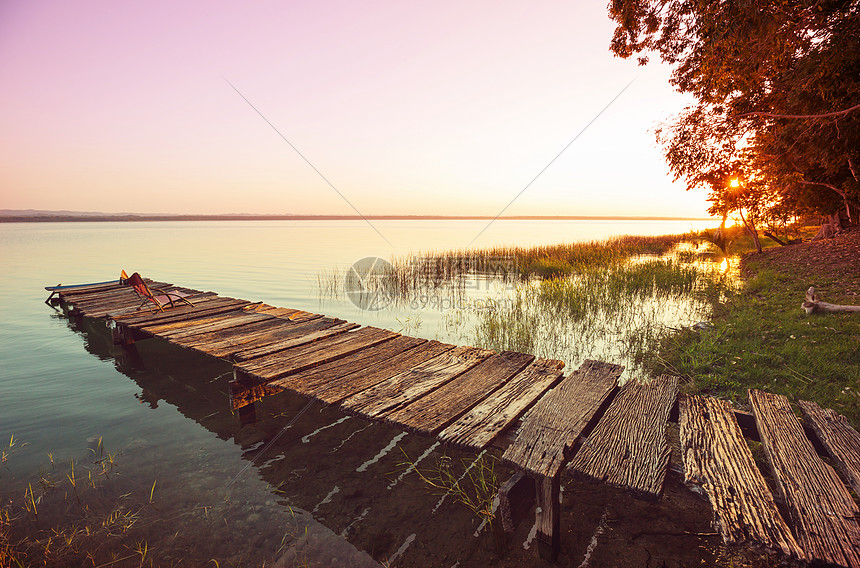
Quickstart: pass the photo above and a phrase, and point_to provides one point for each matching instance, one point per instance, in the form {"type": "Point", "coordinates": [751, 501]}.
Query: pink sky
{"type": "Point", "coordinates": [407, 108]}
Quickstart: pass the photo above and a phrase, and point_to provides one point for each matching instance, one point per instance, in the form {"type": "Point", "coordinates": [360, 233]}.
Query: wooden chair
{"type": "Point", "coordinates": [156, 296]}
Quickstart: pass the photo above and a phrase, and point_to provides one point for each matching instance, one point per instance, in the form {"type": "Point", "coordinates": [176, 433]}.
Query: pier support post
{"type": "Point", "coordinates": [122, 335]}
{"type": "Point", "coordinates": [548, 516]}
{"type": "Point", "coordinates": [516, 497]}
{"type": "Point", "coordinates": [126, 335]}
{"type": "Point", "coordinates": [247, 414]}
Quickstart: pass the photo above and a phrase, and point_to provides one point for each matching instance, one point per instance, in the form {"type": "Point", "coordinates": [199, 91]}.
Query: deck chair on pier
{"type": "Point", "coordinates": [160, 299]}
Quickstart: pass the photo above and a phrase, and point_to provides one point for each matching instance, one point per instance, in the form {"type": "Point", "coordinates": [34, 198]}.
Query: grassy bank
{"type": "Point", "coordinates": [761, 338]}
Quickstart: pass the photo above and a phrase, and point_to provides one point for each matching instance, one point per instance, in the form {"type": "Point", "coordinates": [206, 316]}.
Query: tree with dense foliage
{"type": "Point", "coordinates": [775, 130]}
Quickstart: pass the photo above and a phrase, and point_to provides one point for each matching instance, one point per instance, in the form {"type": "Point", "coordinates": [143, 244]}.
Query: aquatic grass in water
{"type": "Point", "coordinates": [607, 290]}
{"type": "Point", "coordinates": [526, 262]}
{"type": "Point", "coordinates": [474, 485]}
{"type": "Point", "coordinates": [607, 300]}
{"type": "Point", "coordinates": [611, 313]}
{"type": "Point", "coordinates": [452, 272]}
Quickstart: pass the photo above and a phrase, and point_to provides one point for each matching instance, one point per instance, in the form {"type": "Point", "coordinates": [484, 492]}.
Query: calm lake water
{"type": "Point", "coordinates": [303, 484]}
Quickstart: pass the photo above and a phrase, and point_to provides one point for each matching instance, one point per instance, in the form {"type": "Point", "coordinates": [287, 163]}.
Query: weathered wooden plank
{"type": "Point", "coordinates": [628, 447]}
{"type": "Point", "coordinates": [717, 458]}
{"type": "Point", "coordinates": [234, 320]}
{"type": "Point", "coordinates": [273, 310]}
{"type": "Point", "coordinates": [88, 301]}
{"type": "Point", "coordinates": [242, 394]}
{"type": "Point", "coordinates": [407, 386]}
{"type": "Point", "coordinates": [310, 381]}
{"type": "Point", "coordinates": [438, 408]}
{"type": "Point", "coordinates": [840, 440]}
{"type": "Point", "coordinates": [97, 302]}
{"type": "Point", "coordinates": [145, 315]}
{"type": "Point", "coordinates": [210, 307]}
{"type": "Point", "coordinates": [87, 293]}
{"type": "Point", "coordinates": [298, 359]}
{"type": "Point", "coordinates": [240, 334]}
{"type": "Point", "coordinates": [292, 342]}
{"type": "Point", "coordinates": [344, 387]}
{"type": "Point", "coordinates": [302, 316]}
{"type": "Point", "coordinates": [134, 307]}
{"type": "Point", "coordinates": [91, 289]}
{"type": "Point", "coordinates": [283, 313]}
{"type": "Point", "coordinates": [822, 511]}
{"type": "Point", "coordinates": [189, 322]}
{"type": "Point", "coordinates": [100, 310]}
{"type": "Point", "coordinates": [265, 326]}
{"type": "Point", "coordinates": [185, 292]}
{"type": "Point", "coordinates": [283, 359]}
{"type": "Point", "coordinates": [104, 307]}
{"type": "Point", "coordinates": [282, 330]}
{"type": "Point", "coordinates": [220, 311]}
{"type": "Point", "coordinates": [481, 425]}
{"type": "Point", "coordinates": [124, 292]}
{"type": "Point", "coordinates": [553, 426]}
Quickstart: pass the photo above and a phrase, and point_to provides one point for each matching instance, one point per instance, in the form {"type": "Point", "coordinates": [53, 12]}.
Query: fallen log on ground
{"type": "Point", "coordinates": [814, 305]}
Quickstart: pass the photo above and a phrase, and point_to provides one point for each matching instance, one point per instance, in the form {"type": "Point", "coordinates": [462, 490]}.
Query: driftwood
{"type": "Point", "coordinates": [814, 305]}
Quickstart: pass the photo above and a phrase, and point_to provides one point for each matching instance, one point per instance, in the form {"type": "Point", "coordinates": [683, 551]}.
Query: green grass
{"type": "Point", "coordinates": [763, 339]}
{"type": "Point", "coordinates": [473, 485]}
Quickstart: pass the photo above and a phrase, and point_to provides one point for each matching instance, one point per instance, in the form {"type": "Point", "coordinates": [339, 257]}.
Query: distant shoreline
{"type": "Point", "coordinates": [91, 218]}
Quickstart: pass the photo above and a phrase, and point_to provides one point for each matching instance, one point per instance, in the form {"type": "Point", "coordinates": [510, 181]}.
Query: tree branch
{"type": "Point", "coordinates": [798, 116]}
{"type": "Point", "coordinates": [827, 185]}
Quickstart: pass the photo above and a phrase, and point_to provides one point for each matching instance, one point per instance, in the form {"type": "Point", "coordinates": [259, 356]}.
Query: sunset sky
{"type": "Point", "coordinates": [437, 108]}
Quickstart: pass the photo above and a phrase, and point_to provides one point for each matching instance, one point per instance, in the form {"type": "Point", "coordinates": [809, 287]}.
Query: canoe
{"type": "Point", "coordinates": [61, 288]}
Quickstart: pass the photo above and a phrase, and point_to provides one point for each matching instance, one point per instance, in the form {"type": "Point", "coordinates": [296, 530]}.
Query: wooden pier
{"type": "Point", "coordinates": [541, 420]}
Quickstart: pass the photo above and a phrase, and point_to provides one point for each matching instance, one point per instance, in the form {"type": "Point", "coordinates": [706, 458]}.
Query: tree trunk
{"type": "Point", "coordinates": [833, 226]}
{"type": "Point", "coordinates": [753, 232]}
{"type": "Point", "coordinates": [776, 239]}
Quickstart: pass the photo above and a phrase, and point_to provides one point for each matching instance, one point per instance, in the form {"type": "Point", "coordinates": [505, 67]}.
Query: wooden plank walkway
{"type": "Point", "coordinates": [841, 441]}
{"type": "Point", "coordinates": [474, 398]}
{"type": "Point", "coordinates": [717, 458]}
{"type": "Point", "coordinates": [628, 448]}
{"type": "Point", "coordinates": [550, 434]}
{"type": "Point", "coordinates": [821, 508]}
{"type": "Point", "coordinates": [467, 396]}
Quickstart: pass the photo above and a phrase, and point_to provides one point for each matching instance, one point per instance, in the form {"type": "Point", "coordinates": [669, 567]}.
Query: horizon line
{"type": "Point", "coordinates": [47, 216]}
